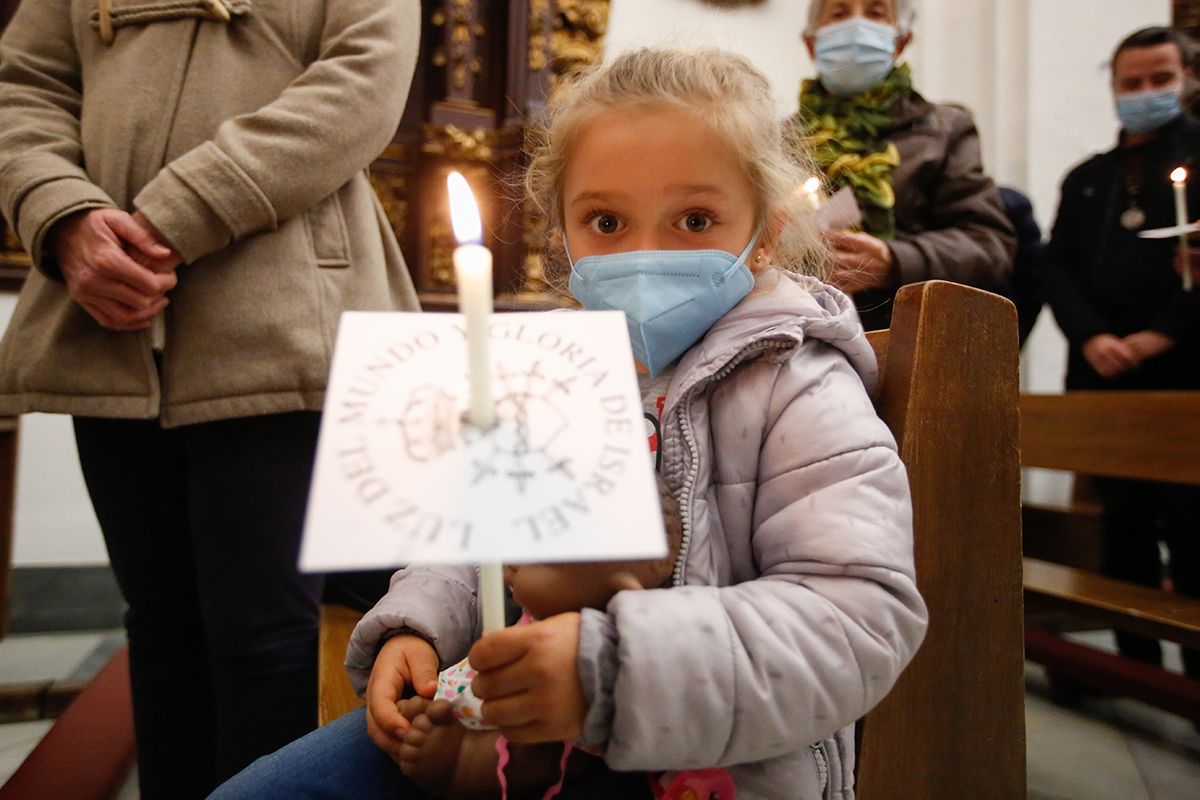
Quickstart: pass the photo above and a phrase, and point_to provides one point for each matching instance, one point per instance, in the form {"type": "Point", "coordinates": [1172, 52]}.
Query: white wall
{"type": "Point", "coordinates": [767, 34]}
{"type": "Point", "coordinates": [54, 522]}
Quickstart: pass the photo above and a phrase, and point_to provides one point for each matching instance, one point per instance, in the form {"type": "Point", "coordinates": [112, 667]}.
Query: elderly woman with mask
{"type": "Point", "coordinates": [914, 167]}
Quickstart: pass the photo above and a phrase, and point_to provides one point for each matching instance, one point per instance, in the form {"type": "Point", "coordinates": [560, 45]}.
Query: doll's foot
{"type": "Point", "coordinates": [444, 758]}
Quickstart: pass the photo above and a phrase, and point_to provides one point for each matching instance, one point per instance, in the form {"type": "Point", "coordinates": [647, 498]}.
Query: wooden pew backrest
{"type": "Point", "coordinates": [1147, 435]}
{"type": "Point", "coordinates": [954, 725]}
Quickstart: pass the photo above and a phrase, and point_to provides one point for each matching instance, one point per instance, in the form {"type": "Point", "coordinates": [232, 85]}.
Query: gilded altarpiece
{"type": "Point", "coordinates": [485, 71]}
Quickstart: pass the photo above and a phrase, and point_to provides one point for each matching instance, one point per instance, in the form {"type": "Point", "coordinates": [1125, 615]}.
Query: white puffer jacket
{"type": "Point", "coordinates": [794, 606]}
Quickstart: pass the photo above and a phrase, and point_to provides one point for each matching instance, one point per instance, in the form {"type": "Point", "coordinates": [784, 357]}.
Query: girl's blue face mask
{"type": "Point", "coordinates": [1144, 112]}
{"type": "Point", "coordinates": [670, 297]}
{"type": "Point", "coordinates": [854, 55]}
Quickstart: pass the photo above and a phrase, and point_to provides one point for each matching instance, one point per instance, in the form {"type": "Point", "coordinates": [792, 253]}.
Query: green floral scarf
{"type": "Point", "coordinates": [845, 136]}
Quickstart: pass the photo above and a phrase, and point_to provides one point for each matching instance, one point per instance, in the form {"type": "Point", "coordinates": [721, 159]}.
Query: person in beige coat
{"type": "Point", "coordinates": [189, 179]}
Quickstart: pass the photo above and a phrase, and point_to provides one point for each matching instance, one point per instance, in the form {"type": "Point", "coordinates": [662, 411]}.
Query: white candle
{"type": "Point", "coordinates": [1179, 180]}
{"type": "Point", "coordinates": [491, 596]}
{"type": "Point", "coordinates": [812, 190]}
{"type": "Point", "coordinates": [473, 269]}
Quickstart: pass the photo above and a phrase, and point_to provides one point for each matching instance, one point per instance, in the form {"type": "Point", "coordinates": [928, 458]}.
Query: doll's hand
{"type": "Point", "coordinates": [529, 682]}
{"type": "Point", "coordinates": [403, 660]}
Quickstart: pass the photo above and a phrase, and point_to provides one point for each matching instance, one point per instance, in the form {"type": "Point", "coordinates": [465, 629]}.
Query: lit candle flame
{"type": "Point", "coordinates": [1178, 175]}
{"type": "Point", "coordinates": [812, 185]}
{"type": "Point", "coordinates": [464, 213]}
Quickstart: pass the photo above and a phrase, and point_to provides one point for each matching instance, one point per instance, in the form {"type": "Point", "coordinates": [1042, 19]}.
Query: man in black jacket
{"type": "Point", "coordinates": [1121, 303]}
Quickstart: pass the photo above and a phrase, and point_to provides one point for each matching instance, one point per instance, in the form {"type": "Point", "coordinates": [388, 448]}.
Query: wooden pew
{"type": "Point", "coordinates": [1142, 435]}
{"type": "Point", "coordinates": [335, 696]}
{"type": "Point", "coordinates": [954, 725]}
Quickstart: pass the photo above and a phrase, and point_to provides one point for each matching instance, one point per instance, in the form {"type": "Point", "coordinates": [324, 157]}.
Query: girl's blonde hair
{"type": "Point", "coordinates": [724, 91]}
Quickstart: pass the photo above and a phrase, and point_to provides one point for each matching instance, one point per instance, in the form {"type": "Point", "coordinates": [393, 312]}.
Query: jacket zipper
{"type": "Point", "coordinates": [822, 762]}
{"type": "Point", "coordinates": [684, 409]}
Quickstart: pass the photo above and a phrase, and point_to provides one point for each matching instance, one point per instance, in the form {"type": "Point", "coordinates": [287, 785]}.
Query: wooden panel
{"type": "Point", "coordinates": [1169, 691]}
{"type": "Point", "coordinates": [335, 695]}
{"type": "Point", "coordinates": [879, 343]}
{"type": "Point", "coordinates": [949, 393]}
{"type": "Point", "coordinates": [89, 751]}
{"type": "Point", "coordinates": [9, 432]}
{"type": "Point", "coordinates": [1149, 435]}
{"type": "Point", "coordinates": [1069, 536]}
{"type": "Point", "coordinates": [1133, 608]}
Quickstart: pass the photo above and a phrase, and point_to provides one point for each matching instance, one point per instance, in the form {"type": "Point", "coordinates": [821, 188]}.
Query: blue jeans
{"type": "Point", "coordinates": [333, 762]}
{"type": "Point", "coordinates": [339, 762]}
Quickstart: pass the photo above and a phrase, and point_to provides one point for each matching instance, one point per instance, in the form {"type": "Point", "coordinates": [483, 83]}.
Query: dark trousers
{"type": "Point", "coordinates": [1137, 516]}
{"type": "Point", "coordinates": [202, 525]}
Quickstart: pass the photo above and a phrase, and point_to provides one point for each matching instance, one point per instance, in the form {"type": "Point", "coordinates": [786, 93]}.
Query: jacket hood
{"type": "Point", "coordinates": [782, 308]}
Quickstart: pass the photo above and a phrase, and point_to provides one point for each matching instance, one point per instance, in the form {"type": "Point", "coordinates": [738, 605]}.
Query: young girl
{"type": "Point", "coordinates": [792, 607]}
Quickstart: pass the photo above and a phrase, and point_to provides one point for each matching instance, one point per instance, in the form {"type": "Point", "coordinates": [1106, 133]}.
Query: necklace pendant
{"type": "Point", "coordinates": [1133, 218]}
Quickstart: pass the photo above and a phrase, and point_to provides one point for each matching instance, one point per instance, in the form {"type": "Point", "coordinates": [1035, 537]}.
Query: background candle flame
{"type": "Point", "coordinates": [1178, 175]}
{"type": "Point", "coordinates": [812, 185]}
{"type": "Point", "coordinates": [464, 213]}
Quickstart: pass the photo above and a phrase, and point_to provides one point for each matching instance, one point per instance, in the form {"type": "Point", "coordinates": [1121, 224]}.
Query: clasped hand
{"type": "Point", "coordinates": [527, 678]}
{"type": "Point", "coordinates": [1111, 356]}
{"type": "Point", "coordinates": [116, 266]}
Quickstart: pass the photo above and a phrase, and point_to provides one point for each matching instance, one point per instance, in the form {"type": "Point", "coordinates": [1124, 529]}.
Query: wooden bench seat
{"type": "Point", "coordinates": [1117, 604]}
{"type": "Point", "coordinates": [336, 696]}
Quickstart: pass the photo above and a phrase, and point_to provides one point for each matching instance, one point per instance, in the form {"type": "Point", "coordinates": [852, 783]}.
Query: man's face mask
{"type": "Point", "coordinates": [1144, 112]}
{"type": "Point", "coordinates": [670, 297]}
{"type": "Point", "coordinates": [854, 55]}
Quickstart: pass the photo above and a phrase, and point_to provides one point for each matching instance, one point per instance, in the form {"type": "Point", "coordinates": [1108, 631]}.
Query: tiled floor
{"type": "Point", "coordinates": [1107, 749]}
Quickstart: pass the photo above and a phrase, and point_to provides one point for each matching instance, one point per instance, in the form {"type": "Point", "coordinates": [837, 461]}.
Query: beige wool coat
{"type": "Point", "coordinates": [245, 142]}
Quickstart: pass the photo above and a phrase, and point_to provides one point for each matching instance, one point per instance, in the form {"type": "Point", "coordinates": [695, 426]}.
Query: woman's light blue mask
{"type": "Point", "coordinates": [854, 55]}
{"type": "Point", "coordinates": [1143, 112]}
{"type": "Point", "coordinates": [670, 297]}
